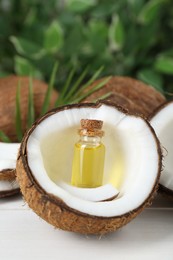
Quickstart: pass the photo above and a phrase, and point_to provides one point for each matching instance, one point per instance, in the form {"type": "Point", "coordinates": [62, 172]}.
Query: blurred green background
{"type": "Point", "coordinates": [127, 37]}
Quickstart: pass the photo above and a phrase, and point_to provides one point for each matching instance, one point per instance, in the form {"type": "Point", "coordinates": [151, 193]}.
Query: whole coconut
{"type": "Point", "coordinates": [132, 94]}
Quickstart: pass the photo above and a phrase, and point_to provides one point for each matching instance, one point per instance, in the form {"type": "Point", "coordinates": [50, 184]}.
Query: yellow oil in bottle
{"type": "Point", "coordinates": [89, 155]}
{"type": "Point", "coordinates": [88, 165]}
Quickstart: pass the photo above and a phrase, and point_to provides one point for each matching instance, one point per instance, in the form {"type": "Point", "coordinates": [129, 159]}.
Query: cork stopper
{"type": "Point", "coordinates": [91, 127]}
{"type": "Point", "coordinates": [91, 124]}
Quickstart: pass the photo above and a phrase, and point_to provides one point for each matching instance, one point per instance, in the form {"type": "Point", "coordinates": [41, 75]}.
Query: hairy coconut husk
{"type": "Point", "coordinates": [8, 87]}
{"type": "Point", "coordinates": [8, 174]}
{"type": "Point", "coordinates": [129, 93]}
{"type": "Point", "coordinates": [54, 210]}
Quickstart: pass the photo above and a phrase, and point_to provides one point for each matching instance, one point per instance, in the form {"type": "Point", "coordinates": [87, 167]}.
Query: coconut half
{"type": "Point", "coordinates": [162, 122]}
{"type": "Point", "coordinates": [132, 165]}
{"type": "Point", "coordinates": [8, 158]}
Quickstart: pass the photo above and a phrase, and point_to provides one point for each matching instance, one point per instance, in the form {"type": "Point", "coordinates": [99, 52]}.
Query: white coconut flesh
{"type": "Point", "coordinates": [8, 158]}
{"type": "Point", "coordinates": [162, 123]}
{"type": "Point", "coordinates": [131, 161]}
{"type": "Point", "coordinates": [8, 185]}
{"type": "Point", "coordinates": [101, 193]}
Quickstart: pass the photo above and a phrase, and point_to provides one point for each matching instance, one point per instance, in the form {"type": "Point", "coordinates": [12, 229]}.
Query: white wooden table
{"type": "Point", "coordinates": [24, 236]}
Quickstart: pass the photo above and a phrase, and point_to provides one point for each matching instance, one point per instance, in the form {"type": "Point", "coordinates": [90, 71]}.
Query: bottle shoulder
{"type": "Point", "coordinates": [85, 145]}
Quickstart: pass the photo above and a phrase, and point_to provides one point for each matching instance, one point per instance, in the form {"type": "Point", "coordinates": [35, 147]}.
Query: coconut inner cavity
{"type": "Point", "coordinates": [131, 161]}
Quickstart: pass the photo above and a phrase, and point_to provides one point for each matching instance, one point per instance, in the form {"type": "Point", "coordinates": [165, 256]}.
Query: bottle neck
{"type": "Point", "coordinates": [90, 139]}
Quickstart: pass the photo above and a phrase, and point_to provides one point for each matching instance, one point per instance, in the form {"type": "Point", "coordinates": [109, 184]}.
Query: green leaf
{"type": "Point", "coordinates": [4, 74]}
{"type": "Point", "coordinates": [150, 11]}
{"type": "Point", "coordinates": [116, 34]}
{"type": "Point", "coordinates": [74, 40]}
{"type": "Point", "coordinates": [23, 67]}
{"type": "Point", "coordinates": [103, 97]}
{"type": "Point", "coordinates": [97, 34]}
{"type": "Point", "coordinates": [68, 96]}
{"type": "Point", "coordinates": [31, 112]}
{"type": "Point", "coordinates": [76, 85]}
{"type": "Point", "coordinates": [47, 98]}
{"type": "Point", "coordinates": [152, 78]}
{"type": "Point", "coordinates": [104, 9]}
{"type": "Point", "coordinates": [4, 137]}
{"type": "Point", "coordinates": [27, 48]}
{"type": "Point", "coordinates": [164, 65]}
{"type": "Point", "coordinates": [31, 16]}
{"type": "Point", "coordinates": [53, 38]}
{"type": "Point", "coordinates": [65, 88]}
{"type": "Point", "coordinates": [136, 6]}
{"type": "Point", "coordinates": [91, 80]}
{"type": "Point", "coordinates": [80, 6]}
{"type": "Point", "coordinates": [18, 114]}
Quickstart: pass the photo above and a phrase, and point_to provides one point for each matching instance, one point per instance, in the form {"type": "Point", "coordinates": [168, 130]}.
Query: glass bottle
{"type": "Point", "coordinates": [89, 155]}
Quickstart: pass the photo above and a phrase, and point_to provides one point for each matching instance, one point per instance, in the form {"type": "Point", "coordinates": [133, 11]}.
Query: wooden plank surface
{"type": "Point", "coordinates": [24, 236]}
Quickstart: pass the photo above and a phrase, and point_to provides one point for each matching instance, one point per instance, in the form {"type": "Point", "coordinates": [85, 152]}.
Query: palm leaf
{"type": "Point", "coordinates": [91, 91]}
{"type": "Point", "coordinates": [75, 86]}
{"type": "Point", "coordinates": [47, 98]}
{"type": "Point", "coordinates": [31, 112]}
{"type": "Point", "coordinates": [91, 80]}
{"type": "Point", "coordinates": [18, 120]}
{"type": "Point", "coordinates": [4, 137]}
{"type": "Point", "coordinates": [76, 92]}
{"type": "Point", "coordinates": [103, 97]}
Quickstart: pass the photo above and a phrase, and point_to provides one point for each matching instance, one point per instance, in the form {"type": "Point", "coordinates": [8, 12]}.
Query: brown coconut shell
{"type": "Point", "coordinates": [166, 192]}
{"type": "Point", "coordinates": [9, 193]}
{"type": "Point", "coordinates": [8, 87]}
{"type": "Point", "coordinates": [54, 210]}
{"type": "Point", "coordinates": [134, 95]}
